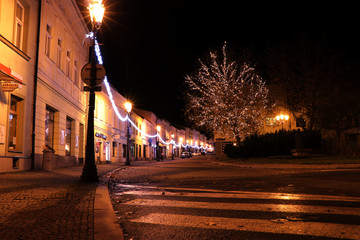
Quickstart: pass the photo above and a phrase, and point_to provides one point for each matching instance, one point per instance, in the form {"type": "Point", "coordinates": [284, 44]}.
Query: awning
{"type": "Point", "coordinates": [8, 75]}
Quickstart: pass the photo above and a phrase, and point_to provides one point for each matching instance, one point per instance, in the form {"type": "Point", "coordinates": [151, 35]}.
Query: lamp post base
{"type": "Point", "coordinates": [89, 174]}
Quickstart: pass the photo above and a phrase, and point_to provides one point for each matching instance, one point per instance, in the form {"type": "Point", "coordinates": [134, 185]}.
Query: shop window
{"type": "Point", "coordinates": [124, 150]}
{"type": "Point", "coordinates": [68, 146]}
{"type": "Point", "coordinates": [49, 127]}
{"type": "Point", "coordinates": [114, 149]}
{"type": "Point", "coordinates": [14, 119]}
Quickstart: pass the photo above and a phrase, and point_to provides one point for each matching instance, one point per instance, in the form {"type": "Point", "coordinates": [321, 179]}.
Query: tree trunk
{"type": "Point", "coordinates": [238, 142]}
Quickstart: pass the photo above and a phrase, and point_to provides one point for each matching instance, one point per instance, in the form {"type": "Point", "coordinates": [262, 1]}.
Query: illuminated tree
{"type": "Point", "coordinates": [227, 97]}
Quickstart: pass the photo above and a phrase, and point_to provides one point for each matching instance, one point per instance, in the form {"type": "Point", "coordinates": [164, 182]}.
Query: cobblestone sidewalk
{"type": "Point", "coordinates": [48, 205]}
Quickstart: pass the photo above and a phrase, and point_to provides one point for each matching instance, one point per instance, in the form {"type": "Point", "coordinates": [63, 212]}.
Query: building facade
{"type": "Point", "coordinates": [18, 56]}
{"type": "Point", "coordinates": [60, 100]}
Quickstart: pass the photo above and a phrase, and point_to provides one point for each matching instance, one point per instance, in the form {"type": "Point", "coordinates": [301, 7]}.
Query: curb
{"type": "Point", "coordinates": [106, 225]}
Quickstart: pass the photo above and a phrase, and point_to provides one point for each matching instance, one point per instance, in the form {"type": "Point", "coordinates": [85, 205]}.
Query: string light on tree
{"type": "Point", "coordinates": [226, 96]}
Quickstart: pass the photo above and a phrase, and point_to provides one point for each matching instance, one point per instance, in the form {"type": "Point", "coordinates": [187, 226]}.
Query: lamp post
{"type": "Point", "coordinates": [283, 118]}
{"type": "Point", "coordinates": [158, 128]}
{"type": "Point", "coordinates": [128, 107]}
{"type": "Point", "coordinates": [90, 75]}
{"type": "Point", "coordinates": [172, 138]}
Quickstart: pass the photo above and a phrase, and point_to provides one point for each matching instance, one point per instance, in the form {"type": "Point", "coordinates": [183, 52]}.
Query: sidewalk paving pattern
{"type": "Point", "coordinates": [49, 205]}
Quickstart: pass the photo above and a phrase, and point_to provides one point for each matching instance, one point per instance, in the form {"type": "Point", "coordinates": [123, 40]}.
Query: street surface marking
{"type": "Point", "coordinates": [233, 194]}
{"type": "Point", "coordinates": [289, 208]}
{"type": "Point", "coordinates": [254, 225]}
{"type": "Point", "coordinates": [276, 226]}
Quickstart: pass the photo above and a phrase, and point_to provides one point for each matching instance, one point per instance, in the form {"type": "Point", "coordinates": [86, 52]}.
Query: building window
{"type": "Point", "coordinates": [59, 51]}
{"type": "Point", "coordinates": [68, 63]}
{"type": "Point", "coordinates": [124, 150]}
{"type": "Point", "coordinates": [68, 137]}
{"type": "Point", "coordinates": [76, 78]}
{"type": "Point", "coordinates": [49, 127]}
{"type": "Point", "coordinates": [13, 123]}
{"type": "Point", "coordinates": [114, 149]}
{"type": "Point", "coordinates": [48, 40]}
{"type": "Point", "coordinates": [19, 24]}
{"type": "Point", "coordinates": [270, 121]}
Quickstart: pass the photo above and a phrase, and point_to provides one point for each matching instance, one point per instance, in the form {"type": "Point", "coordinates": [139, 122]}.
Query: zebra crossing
{"type": "Point", "coordinates": [281, 213]}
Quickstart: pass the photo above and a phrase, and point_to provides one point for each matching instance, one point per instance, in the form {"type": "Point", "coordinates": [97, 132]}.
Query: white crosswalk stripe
{"type": "Point", "coordinates": [276, 225]}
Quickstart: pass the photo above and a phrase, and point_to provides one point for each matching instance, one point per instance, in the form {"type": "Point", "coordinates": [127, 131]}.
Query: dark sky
{"type": "Point", "coordinates": [150, 45]}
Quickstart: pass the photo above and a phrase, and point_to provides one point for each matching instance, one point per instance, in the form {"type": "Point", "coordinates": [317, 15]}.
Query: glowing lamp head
{"type": "Point", "coordinates": [187, 141]}
{"type": "Point", "coordinates": [286, 117]}
{"type": "Point", "coordinates": [158, 128]}
{"type": "Point", "coordinates": [128, 106]}
{"type": "Point", "coordinates": [97, 10]}
{"type": "Point", "coordinates": [181, 139]}
{"type": "Point", "coordinates": [172, 135]}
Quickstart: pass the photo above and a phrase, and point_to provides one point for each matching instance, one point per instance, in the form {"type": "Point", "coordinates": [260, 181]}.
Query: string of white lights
{"type": "Point", "coordinates": [126, 118]}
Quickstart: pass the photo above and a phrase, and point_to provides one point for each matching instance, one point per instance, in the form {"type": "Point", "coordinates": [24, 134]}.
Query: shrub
{"type": "Point", "coordinates": [271, 144]}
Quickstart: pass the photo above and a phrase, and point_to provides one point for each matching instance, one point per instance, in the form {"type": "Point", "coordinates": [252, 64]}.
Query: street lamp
{"type": "Point", "coordinates": [91, 77]}
{"type": "Point", "coordinates": [128, 107]}
{"type": "Point", "coordinates": [172, 138]}
{"type": "Point", "coordinates": [158, 128]}
{"type": "Point", "coordinates": [283, 118]}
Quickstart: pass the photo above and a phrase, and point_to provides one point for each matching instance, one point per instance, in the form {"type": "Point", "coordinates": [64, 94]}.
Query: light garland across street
{"type": "Point", "coordinates": [126, 118]}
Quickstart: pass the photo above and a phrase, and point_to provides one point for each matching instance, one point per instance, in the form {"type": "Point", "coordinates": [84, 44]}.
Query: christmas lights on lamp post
{"type": "Point", "coordinates": [92, 74]}
{"type": "Point", "coordinates": [128, 107]}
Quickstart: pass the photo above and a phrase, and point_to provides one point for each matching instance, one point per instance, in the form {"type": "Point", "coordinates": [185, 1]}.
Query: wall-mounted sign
{"type": "Point", "coordinates": [100, 135]}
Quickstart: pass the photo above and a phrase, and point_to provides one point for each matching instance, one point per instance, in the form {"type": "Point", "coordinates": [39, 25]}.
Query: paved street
{"type": "Point", "coordinates": [48, 205]}
{"type": "Point", "coordinates": [197, 199]}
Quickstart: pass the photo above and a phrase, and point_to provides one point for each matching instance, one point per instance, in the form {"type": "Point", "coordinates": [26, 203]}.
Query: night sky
{"type": "Point", "coordinates": [150, 45]}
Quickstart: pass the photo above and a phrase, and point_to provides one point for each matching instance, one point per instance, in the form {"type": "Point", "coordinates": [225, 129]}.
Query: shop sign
{"type": "Point", "coordinates": [100, 135]}
{"type": "Point", "coordinates": [9, 87]}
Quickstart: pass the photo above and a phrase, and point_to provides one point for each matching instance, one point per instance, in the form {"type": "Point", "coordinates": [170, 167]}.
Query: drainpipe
{"type": "Point", "coordinates": [35, 90]}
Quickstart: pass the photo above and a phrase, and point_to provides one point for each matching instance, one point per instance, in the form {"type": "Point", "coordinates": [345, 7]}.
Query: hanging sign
{"type": "Point", "coordinates": [9, 87]}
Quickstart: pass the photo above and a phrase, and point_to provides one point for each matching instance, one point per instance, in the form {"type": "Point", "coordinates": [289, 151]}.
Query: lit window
{"type": "Point", "coordinates": [48, 40]}
{"type": "Point", "coordinates": [49, 127]}
{"type": "Point", "coordinates": [19, 24]}
{"type": "Point", "coordinates": [68, 137]}
{"type": "Point", "coordinates": [59, 51]}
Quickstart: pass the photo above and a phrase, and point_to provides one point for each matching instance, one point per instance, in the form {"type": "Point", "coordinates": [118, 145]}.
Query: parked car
{"type": "Point", "coordinates": [185, 155]}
